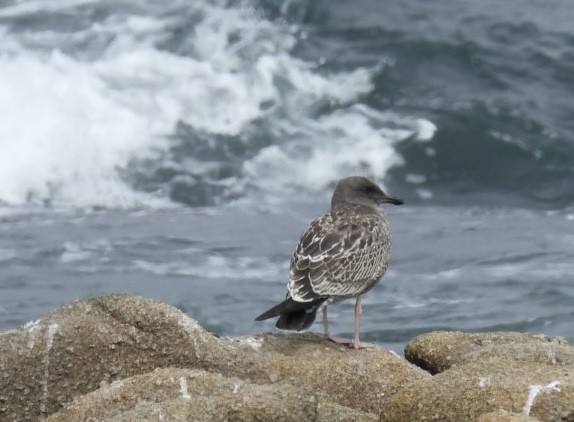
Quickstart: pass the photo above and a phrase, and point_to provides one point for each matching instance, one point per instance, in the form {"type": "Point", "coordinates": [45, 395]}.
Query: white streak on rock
{"type": "Point", "coordinates": [534, 390]}
{"type": "Point", "coordinates": [31, 324]}
{"type": "Point", "coordinates": [49, 339]}
{"type": "Point", "coordinates": [52, 329]}
{"type": "Point", "coordinates": [183, 388]}
{"type": "Point", "coordinates": [32, 328]}
{"type": "Point", "coordinates": [189, 325]}
{"type": "Point", "coordinates": [254, 342]}
{"type": "Point", "coordinates": [551, 354]}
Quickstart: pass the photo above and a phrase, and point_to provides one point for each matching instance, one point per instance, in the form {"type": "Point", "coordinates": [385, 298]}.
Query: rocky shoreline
{"type": "Point", "coordinates": [127, 358]}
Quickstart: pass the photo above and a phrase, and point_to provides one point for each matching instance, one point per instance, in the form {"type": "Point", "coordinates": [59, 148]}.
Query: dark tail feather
{"type": "Point", "coordinates": [293, 315]}
{"type": "Point", "coordinates": [298, 320]}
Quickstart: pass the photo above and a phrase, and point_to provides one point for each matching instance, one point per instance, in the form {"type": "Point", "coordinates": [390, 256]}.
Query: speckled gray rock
{"type": "Point", "coordinates": [504, 416]}
{"type": "Point", "coordinates": [440, 350]}
{"type": "Point", "coordinates": [106, 350]}
{"type": "Point", "coordinates": [358, 379]}
{"type": "Point", "coordinates": [76, 348]}
{"type": "Point", "coordinates": [185, 394]}
{"type": "Point", "coordinates": [466, 392]}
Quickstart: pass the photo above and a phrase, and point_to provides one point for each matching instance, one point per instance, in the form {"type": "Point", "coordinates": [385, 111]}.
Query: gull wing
{"type": "Point", "coordinates": [343, 253]}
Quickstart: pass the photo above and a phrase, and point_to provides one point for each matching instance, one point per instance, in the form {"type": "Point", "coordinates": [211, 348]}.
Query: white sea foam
{"type": "Point", "coordinates": [350, 140]}
{"type": "Point", "coordinates": [21, 8]}
{"type": "Point", "coordinates": [216, 267]}
{"type": "Point", "coordinates": [73, 253]}
{"type": "Point", "coordinates": [76, 121]}
{"type": "Point", "coordinates": [425, 129]}
{"type": "Point", "coordinates": [531, 271]}
{"type": "Point", "coordinates": [62, 136]}
{"type": "Point", "coordinates": [450, 274]}
{"type": "Point", "coordinates": [424, 193]}
{"type": "Point", "coordinates": [415, 179]}
{"type": "Point", "coordinates": [7, 254]}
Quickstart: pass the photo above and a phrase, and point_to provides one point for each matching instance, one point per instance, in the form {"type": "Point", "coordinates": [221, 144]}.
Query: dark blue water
{"type": "Point", "coordinates": [177, 150]}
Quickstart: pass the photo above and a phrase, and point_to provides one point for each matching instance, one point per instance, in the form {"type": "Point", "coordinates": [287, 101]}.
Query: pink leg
{"type": "Point", "coordinates": [356, 342]}
{"type": "Point", "coordinates": [334, 339]}
{"type": "Point", "coordinates": [325, 321]}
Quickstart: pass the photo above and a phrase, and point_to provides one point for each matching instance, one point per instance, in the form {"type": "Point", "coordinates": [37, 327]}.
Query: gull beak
{"type": "Point", "coordinates": [387, 199]}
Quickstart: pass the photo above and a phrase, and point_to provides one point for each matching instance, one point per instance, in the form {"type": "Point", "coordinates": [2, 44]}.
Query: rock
{"type": "Point", "coordinates": [73, 350]}
{"type": "Point", "coordinates": [358, 379]}
{"type": "Point", "coordinates": [98, 360]}
{"type": "Point", "coordinates": [491, 376]}
{"type": "Point", "coordinates": [466, 392]}
{"type": "Point", "coordinates": [504, 416]}
{"type": "Point", "coordinates": [184, 394]}
{"type": "Point", "coordinates": [439, 351]}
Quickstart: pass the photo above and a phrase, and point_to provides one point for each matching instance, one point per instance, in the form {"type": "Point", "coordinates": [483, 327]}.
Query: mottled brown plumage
{"type": "Point", "coordinates": [340, 255]}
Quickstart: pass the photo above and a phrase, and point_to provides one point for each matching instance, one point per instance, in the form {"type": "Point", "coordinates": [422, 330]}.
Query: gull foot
{"type": "Point", "coordinates": [361, 345]}
{"type": "Point", "coordinates": [351, 342]}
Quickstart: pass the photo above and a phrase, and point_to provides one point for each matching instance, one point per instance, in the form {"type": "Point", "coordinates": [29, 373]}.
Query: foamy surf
{"type": "Point", "coordinates": [192, 103]}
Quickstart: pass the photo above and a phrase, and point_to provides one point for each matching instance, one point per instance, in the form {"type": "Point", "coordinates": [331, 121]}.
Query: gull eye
{"type": "Point", "coordinates": [370, 189]}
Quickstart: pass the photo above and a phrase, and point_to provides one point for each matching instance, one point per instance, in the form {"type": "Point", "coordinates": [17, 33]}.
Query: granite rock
{"type": "Point", "coordinates": [504, 416]}
{"type": "Point", "coordinates": [77, 348]}
{"type": "Point", "coordinates": [74, 349]}
{"type": "Point", "coordinates": [126, 358]}
{"type": "Point", "coordinates": [466, 392]}
{"type": "Point", "coordinates": [358, 379]}
{"type": "Point", "coordinates": [187, 394]}
{"type": "Point", "coordinates": [440, 350]}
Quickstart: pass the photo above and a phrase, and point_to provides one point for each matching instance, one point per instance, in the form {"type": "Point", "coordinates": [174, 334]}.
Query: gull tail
{"type": "Point", "coordinates": [293, 315]}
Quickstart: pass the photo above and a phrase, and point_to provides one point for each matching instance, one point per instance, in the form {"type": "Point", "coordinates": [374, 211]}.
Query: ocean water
{"type": "Point", "coordinates": [176, 150]}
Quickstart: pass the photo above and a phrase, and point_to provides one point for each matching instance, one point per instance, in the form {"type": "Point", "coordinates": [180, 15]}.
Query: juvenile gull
{"type": "Point", "coordinates": [342, 254]}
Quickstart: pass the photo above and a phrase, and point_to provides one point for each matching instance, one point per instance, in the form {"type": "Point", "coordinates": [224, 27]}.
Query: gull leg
{"type": "Point", "coordinates": [356, 343]}
{"type": "Point", "coordinates": [334, 339]}
{"type": "Point", "coordinates": [340, 340]}
{"type": "Point", "coordinates": [325, 321]}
